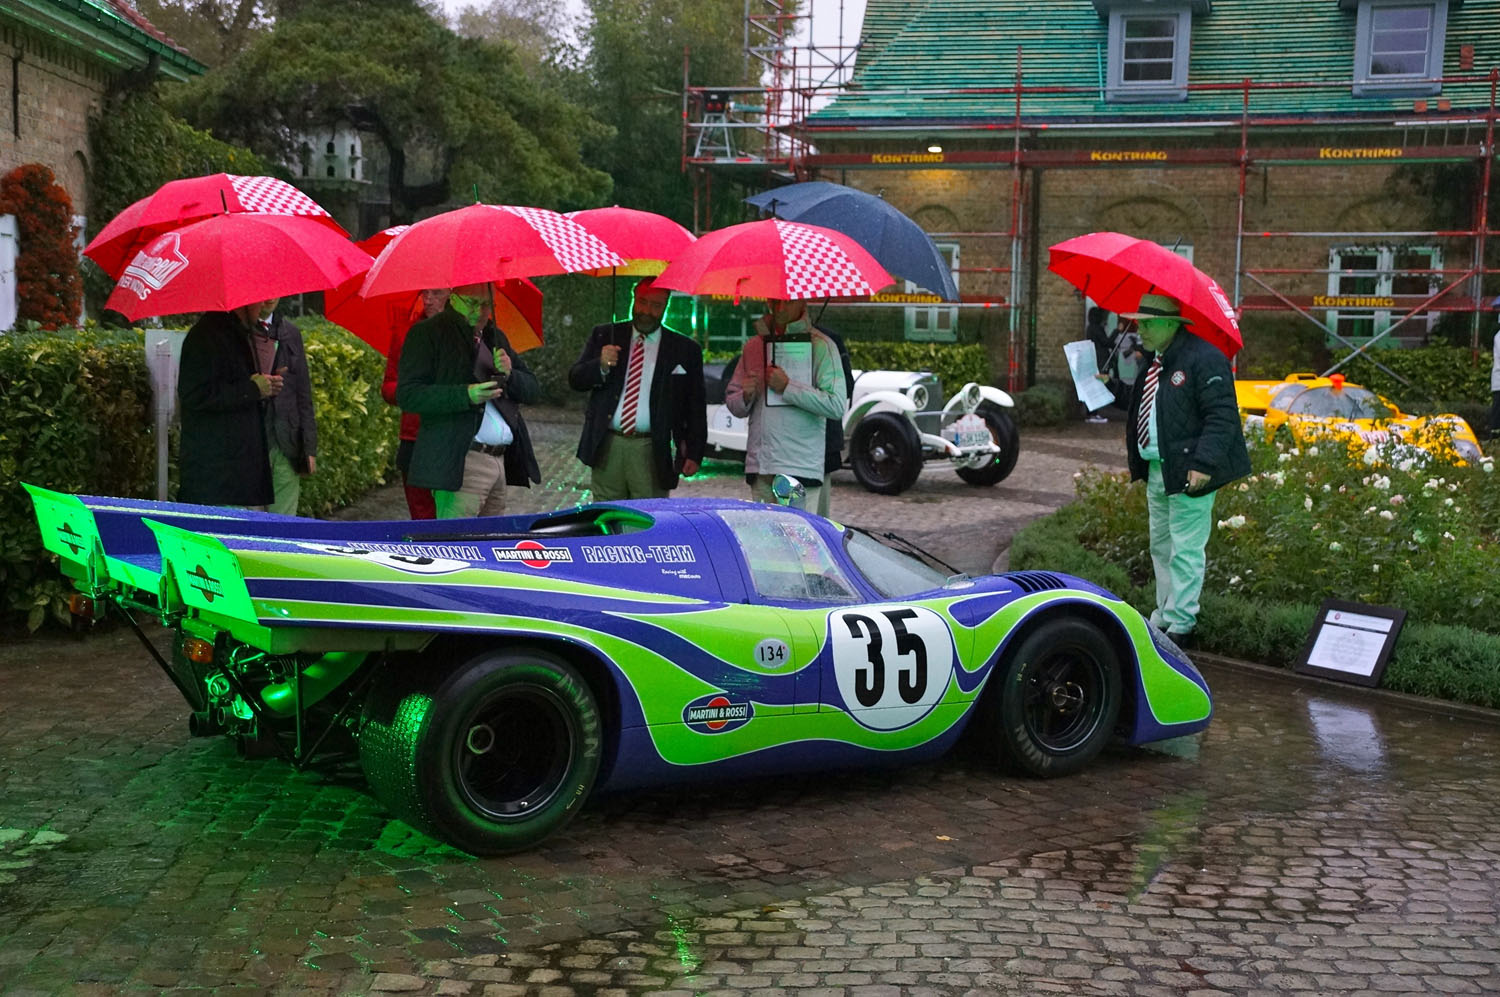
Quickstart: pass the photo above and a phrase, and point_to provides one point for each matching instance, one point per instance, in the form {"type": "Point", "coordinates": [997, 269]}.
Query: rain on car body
{"type": "Point", "coordinates": [1308, 408]}
{"type": "Point", "coordinates": [494, 673]}
{"type": "Point", "coordinates": [897, 421]}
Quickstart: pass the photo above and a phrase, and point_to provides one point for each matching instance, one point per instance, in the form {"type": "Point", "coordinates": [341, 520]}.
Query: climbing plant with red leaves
{"type": "Point", "coordinates": [48, 287]}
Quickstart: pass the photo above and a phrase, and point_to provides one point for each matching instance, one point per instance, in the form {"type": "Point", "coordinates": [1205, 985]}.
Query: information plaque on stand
{"type": "Point", "coordinates": [1351, 642]}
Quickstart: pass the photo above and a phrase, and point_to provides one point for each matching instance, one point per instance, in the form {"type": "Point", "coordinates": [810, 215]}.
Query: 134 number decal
{"type": "Point", "coordinates": [892, 664]}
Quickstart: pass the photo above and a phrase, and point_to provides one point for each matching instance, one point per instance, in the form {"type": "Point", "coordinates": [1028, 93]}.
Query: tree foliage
{"type": "Point", "coordinates": [452, 112]}
{"type": "Point", "coordinates": [635, 81]}
{"type": "Point", "coordinates": [538, 30]}
{"type": "Point", "coordinates": [48, 288]}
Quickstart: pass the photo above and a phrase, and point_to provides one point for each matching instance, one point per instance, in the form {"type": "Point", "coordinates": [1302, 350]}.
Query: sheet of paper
{"type": "Point", "coordinates": [793, 356]}
{"type": "Point", "coordinates": [1084, 365]}
{"type": "Point", "coordinates": [1346, 649]}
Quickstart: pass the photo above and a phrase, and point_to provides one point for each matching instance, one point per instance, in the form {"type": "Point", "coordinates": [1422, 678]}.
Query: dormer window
{"type": "Point", "coordinates": [1148, 52]}
{"type": "Point", "coordinates": [1398, 47]}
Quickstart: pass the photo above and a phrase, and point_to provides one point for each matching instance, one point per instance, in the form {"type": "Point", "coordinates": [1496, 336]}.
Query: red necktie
{"type": "Point", "coordinates": [1148, 396]}
{"type": "Point", "coordinates": [632, 384]}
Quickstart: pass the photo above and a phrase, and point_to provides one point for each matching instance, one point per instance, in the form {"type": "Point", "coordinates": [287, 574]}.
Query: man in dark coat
{"type": "Point", "coordinates": [1183, 437]}
{"type": "Point", "coordinates": [292, 429]}
{"type": "Point", "coordinates": [645, 385]}
{"type": "Point", "coordinates": [467, 384]}
{"type": "Point", "coordinates": [221, 397]}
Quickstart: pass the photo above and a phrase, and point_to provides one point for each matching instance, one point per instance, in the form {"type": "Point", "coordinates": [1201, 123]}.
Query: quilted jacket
{"type": "Point", "coordinates": [1198, 420]}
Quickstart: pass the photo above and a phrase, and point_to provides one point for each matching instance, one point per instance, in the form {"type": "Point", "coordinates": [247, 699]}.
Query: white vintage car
{"type": "Point", "coordinates": [896, 422]}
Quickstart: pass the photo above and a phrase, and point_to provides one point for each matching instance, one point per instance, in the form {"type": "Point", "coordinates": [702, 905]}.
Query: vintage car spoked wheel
{"type": "Point", "coordinates": [1003, 432]}
{"type": "Point", "coordinates": [885, 453]}
{"type": "Point", "coordinates": [1059, 699]}
{"type": "Point", "coordinates": [493, 755]}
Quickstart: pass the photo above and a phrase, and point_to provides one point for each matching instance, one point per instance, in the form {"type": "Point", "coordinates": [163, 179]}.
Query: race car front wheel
{"type": "Point", "coordinates": [492, 756]}
{"type": "Point", "coordinates": [1058, 698]}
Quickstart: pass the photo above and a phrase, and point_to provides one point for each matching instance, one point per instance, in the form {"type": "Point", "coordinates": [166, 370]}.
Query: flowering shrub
{"type": "Point", "coordinates": [1411, 529]}
{"type": "Point", "coordinates": [48, 288]}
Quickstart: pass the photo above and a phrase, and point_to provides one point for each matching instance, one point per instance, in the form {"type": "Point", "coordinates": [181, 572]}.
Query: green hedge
{"type": "Point", "coordinates": [1296, 545]}
{"type": "Point", "coordinates": [955, 364]}
{"type": "Point", "coordinates": [76, 416]}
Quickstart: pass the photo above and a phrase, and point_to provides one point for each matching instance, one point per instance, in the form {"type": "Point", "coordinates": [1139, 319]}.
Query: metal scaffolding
{"type": "Point", "coordinates": [1432, 132]}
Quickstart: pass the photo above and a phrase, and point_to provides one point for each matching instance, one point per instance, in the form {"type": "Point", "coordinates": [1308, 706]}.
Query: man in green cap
{"type": "Point", "coordinates": [1184, 439]}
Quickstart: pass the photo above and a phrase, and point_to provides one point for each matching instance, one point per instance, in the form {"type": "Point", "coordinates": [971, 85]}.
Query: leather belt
{"type": "Point", "coordinates": [493, 449]}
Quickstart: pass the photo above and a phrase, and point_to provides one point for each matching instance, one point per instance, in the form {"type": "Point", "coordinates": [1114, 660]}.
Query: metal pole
{"type": "Point", "coordinates": [1484, 215]}
{"type": "Point", "coordinates": [1015, 236]}
{"type": "Point", "coordinates": [1239, 222]}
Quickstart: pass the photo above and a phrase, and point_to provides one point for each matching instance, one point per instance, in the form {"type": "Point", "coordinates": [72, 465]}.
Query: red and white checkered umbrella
{"type": "Point", "coordinates": [182, 202]}
{"type": "Point", "coordinates": [483, 243]}
{"type": "Point", "coordinates": [776, 259]}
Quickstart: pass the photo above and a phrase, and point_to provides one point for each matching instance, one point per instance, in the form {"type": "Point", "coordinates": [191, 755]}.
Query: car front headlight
{"type": "Point", "coordinates": [917, 394]}
{"type": "Point", "coordinates": [1467, 449]}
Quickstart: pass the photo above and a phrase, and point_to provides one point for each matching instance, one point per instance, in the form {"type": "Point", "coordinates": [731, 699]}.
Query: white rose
{"type": "Point", "coordinates": [1387, 514]}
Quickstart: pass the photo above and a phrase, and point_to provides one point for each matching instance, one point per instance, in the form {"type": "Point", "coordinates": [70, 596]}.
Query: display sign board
{"type": "Point", "coordinates": [1351, 642]}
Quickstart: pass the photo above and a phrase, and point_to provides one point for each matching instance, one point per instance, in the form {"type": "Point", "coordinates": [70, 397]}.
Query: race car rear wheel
{"type": "Point", "coordinates": [1003, 431]}
{"type": "Point", "coordinates": [1058, 700]}
{"type": "Point", "coordinates": [885, 453]}
{"type": "Point", "coordinates": [492, 756]}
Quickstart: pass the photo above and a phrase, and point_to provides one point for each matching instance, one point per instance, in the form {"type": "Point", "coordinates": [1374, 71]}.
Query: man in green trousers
{"type": "Point", "coordinates": [1184, 439]}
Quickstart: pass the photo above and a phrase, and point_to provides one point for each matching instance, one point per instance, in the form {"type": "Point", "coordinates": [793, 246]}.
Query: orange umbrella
{"type": "Point", "coordinates": [517, 303]}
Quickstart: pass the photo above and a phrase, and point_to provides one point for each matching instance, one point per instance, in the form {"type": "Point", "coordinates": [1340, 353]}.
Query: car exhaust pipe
{"type": "Point", "coordinates": [206, 723]}
{"type": "Point", "coordinates": [318, 680]}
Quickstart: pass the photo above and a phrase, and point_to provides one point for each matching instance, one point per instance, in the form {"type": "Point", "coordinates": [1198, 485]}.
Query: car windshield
{"type": "Point", "coordinates": [893, 571]}
{"type": "Point", "coordinates": [787, 558]}
{"type": "Point", "coordinates": [1348, 402]}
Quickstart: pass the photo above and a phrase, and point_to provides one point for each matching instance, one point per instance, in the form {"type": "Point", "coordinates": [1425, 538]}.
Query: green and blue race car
{"type": "Point", "coordinates": [494, 673]}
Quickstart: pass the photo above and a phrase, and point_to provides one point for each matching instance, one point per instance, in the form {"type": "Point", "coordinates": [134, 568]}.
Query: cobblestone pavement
{"type": "Point", "coordinates": [1315, 839]}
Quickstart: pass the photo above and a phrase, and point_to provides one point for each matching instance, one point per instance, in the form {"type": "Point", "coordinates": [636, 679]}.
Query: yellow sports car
{"type": "Point", "coordinates": [1312, 408]}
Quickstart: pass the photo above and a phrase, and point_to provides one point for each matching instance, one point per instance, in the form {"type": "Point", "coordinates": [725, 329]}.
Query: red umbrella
{"type": "Point", "coordinates": [776, 259]}
{"type": "Point", "coordinates": [231, 260]}
{"type": "Point", "coordinates": [646, 240]}
{"type": "Point", "coordinates": [1115, 270]}
{"type": "Point", "coordinates": [483, 243]}
{"type": "Point", "coordinates": [518, 305]}
{"type": "Point", "coordinates": [181, 202]}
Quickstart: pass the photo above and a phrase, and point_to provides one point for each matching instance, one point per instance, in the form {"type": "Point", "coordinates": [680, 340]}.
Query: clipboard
{"type": "Point", "coordinates": [793, 354]}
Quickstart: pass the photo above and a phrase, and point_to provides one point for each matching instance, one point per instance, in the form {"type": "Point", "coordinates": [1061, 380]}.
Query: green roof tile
{"type": "Point", "coordinates": [932, 62]}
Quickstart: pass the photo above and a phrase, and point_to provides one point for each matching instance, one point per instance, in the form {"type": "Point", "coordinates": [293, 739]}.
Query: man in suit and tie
{"type": "Point", "coordinates": [646, 422]}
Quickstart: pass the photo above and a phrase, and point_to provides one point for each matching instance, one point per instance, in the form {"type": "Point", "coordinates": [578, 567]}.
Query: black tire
{"type": "Point", "coordinates": [1057, 700]}
{"type": "Point", "coordinates": [1003, 431]}
{"type": "Point", "coordinates": [885, 453]}
{"type": "Point", "coordinates": [491, 756]}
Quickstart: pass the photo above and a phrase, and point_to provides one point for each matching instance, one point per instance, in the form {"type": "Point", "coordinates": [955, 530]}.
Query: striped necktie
{"type": "Point", "coordinates": [633, 384]}
{"type": "Point", "coordinates": [1148, 397]}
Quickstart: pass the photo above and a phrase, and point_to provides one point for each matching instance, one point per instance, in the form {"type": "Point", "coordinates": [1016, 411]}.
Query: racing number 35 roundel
{"type": "Point", "coordinates": [892, 663]}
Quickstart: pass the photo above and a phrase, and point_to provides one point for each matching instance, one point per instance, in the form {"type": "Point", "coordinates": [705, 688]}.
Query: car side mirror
{"type": "Point", "coordinates": [787, 489]}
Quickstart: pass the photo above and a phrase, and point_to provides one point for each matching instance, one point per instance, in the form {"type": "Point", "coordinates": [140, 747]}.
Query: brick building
{"type": "Point", "coordinates": [1323, 159]}
{"type": "Point", "coordinates": [58, 58]}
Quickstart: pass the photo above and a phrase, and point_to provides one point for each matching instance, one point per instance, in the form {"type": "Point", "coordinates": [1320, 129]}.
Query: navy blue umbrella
{"type": "Point", "coordinates": [897, 242]}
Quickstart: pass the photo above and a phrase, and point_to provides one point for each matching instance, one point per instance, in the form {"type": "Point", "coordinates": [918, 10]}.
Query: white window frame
{"type": "Point", "coordinates": [934, 323]}
{"type": "Point", "coordinates": [1420, 83]}
{"type": "Point", "coordinates": [1384, 274]}
{"type": "Point", "coordinates": [1120, 90]}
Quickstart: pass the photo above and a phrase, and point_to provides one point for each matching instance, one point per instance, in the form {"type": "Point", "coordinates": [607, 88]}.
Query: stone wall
{"type": "Point", "coordinates": [56, 92]}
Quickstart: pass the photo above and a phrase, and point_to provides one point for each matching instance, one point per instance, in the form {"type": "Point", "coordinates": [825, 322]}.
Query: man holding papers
{"type": "Point", "coordinates": [645, 385]}
{"type": "Point", "coordinates": [788, 384]}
